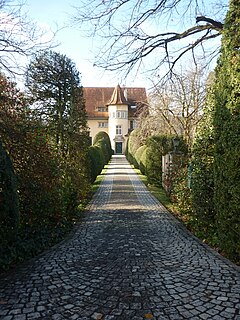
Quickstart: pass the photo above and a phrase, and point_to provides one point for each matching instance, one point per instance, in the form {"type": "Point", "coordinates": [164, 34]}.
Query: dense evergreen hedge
{"type": "Point", "coordinates": [133, 144]}
{"type": "Point", "coordinates": [99, 154]}
{"type": "Point", "coordinates": [202, 177]}
{"type": "Point", "coordinates": [138, 156]}
{"type": "Point", "coordinates": [103, 141]}
{"type": "Point", "coordinates": [148, 157]}
{"type": "Point", "coordinates": [227, 133]}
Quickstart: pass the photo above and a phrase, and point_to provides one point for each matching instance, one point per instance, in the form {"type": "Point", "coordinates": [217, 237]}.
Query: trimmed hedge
{"type": "Point", "coordinates": [138, 155]}
{"type": "Point", "coordinates": [133, 144]}
{"type": "Point", "coordinates": [202, 177]}
{"type": "Point", "coordinates": [227, 133]}
{"type": "Point", "coordinates": [148, 158]}
{"type": "Point", "coordinates": [99, 154]}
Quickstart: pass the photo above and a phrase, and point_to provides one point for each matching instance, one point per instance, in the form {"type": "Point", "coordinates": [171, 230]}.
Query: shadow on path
{"type": "Point", "coordinates": [129, 259]}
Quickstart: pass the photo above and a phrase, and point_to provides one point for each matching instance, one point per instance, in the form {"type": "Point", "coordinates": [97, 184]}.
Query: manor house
{"type": "Point", "coordinates": [115, 111]}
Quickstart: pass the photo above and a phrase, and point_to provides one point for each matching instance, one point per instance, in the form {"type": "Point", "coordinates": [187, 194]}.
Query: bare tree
{"type": "Point", "coordinates": [19, 36]}
{"type": "Point", "coordinates": [132, 30]}
{"type": "Point", "coordinates": [176, 107]}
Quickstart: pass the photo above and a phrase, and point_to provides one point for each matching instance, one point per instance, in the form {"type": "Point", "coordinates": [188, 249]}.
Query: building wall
{"type": "Point", "coordinates": [113, 110]}
{"type": "Point", "coordinates": [94, 127]}
{"type": "Point", "coordinates": [118, 125]}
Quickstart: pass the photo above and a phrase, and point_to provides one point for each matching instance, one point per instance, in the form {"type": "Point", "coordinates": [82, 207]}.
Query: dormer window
{"type": "Point", "coordinates": [102, 109]}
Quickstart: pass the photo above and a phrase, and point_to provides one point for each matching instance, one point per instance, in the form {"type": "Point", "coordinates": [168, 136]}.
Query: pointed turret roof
{"type": "Point", "coordinates": [117, 97]}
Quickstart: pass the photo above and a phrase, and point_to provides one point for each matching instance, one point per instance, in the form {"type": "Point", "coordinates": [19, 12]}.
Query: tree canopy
{"type": "Point", "coordinates": [54, 83]}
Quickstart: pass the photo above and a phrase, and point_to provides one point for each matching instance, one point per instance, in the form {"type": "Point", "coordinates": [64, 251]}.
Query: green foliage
{"type": "Point", "coordinates": [202, 177]}
{"type": "Point", "coordinates": [157, 147]}
{"type": "Point", "coordinates": [227, 133]}
{"type": "Point", "coordinates": [102, 140]}
{"type": "Point", "coordinates": [9, 209]}
{"type": "Point", "coordinates": [51, 183]}
{"type": "Point", "coordinates": [99, 154]}
{"type": "Point", "coordinates": [54, 83]}
{"type": "Point", "coordinates": [180, 193]}
{"type": "Point", "coordinates": [97, 161]}
{"type": "Point", "coordinates": [133, 144]}
{"type": "Point", "coordinates": [143, 161]}
{"type": "Point", "coordinates": [103, 135]}
{"type": "Point", "coordinates": [139, 159]}
{"type": "Point", "coordinates": [149, 157]}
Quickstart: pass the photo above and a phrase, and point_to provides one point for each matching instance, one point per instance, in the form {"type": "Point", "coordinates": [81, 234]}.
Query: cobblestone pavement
{"type": "Point", "coordinates": [129, 259]}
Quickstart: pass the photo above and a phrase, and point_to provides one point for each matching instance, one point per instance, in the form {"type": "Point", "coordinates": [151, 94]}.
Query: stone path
{"type": "Point", "coordinates": [129, 259]}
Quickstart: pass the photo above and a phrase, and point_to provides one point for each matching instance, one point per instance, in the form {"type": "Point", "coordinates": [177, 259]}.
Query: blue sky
{"type": "Point", "coordinates": [53, 14]}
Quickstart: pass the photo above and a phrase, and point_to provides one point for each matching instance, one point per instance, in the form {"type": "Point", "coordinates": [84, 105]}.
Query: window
{"type": "Point", "coordinates": [102, 109]}
{"type": "Point", "coordinates": [102, 124]}
{"type": "Point", "coordinates": [118, 130]}
{"type": "Point", "coordinates": [122, 114]}
{"type": "Point", "coordinates": [133, 124]}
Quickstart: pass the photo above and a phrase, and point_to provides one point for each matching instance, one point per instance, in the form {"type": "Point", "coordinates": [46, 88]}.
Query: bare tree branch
{"type": "Point", "coordinates": [215, 24]}
{"type": "Point", "coordinates": [132, 31]}
{"type": "Point", "coordinates": [19, 37]}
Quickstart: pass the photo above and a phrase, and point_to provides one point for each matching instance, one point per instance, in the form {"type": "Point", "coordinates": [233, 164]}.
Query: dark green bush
{"type": "Point", "coordinates": [202, 176]}
{"type": "Point", "coordinates": [157, 147]}
{"type": "Point", "coordinates": [133, 144]}
{"type": "Point", "coordinates": [103, 141]}
{"type": "Point", "coordinates": [99, 154]}
{"type": "Point", "coordinates": [97, 161]}
{"type": "Point", "coordinates": [143, 161]}
{"type": "Point", "coordinates": [227, 133]}
{"type": "Point", "coordinates": [9, 207]}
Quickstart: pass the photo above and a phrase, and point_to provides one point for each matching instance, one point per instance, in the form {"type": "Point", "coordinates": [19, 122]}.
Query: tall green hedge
{"type": "Point", "coordinates": [9, 206]}
{"type": "Point", "coordinates": [138, 156]}
{"type": "Point", "coordinates": [133, 143]}
{"type": "Point", "coordinates": [103, 141]}
{"type": "Point", "coordinates": [227, 135]}
{"type": "Point", "coordinates": [157, 147]}
{"type": "Point", "coordinates": [99, 154]}
{"type": "Point", "coordinates": [148, 158]}
{"type": "Point", "coordinates": [202, 177]}
{"type": "Point", "coordinates": [97, 161]}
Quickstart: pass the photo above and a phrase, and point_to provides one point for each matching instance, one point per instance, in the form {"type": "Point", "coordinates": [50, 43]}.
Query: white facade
{"type": "Point", "coordinates": [118, 127]}
{"type": "Point", "coordinates": [113, 111]}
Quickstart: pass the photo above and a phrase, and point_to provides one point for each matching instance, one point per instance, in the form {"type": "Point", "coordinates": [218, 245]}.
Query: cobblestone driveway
{"type": "Point", "coordinates": [129, 259]}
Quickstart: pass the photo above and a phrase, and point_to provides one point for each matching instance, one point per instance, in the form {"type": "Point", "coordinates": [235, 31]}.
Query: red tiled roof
{"type": "Point", "coordinates": [96, 97]}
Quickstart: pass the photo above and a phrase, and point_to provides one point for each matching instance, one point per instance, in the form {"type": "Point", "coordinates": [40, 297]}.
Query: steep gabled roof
{"type": "Point", "coordinates": [118, 97]}
{"type": "Point", "coordinates": [96, 97]}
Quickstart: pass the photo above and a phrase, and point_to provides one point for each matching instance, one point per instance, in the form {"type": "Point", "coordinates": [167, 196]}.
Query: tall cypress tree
{"type": "Point", "coordinates": [227, 134]}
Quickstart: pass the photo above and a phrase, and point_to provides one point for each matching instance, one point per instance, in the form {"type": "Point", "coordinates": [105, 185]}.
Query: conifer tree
{"type": "Point", "coordinates": [54, 82]}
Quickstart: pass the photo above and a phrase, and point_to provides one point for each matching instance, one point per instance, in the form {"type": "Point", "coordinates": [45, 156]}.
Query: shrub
{"type": "Point", "coordinates": [202, 177]}
{"type": "Point", "coordinates": [138, 155]}
{"type": "Point", "coordinates": [157, 147]}
{"type": "Point", "coordinates": [143, 161]}
{"type": "Point", "coordinates": [132, 145]}
{"type": "Point", "coordinates": [97, 161]}
{"type": "Point", "coordinates": [227, 132]}
{"type": "Point", "coordinates": [103, 141]}
{"type": "Point", "coordinates": [181, 194]}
